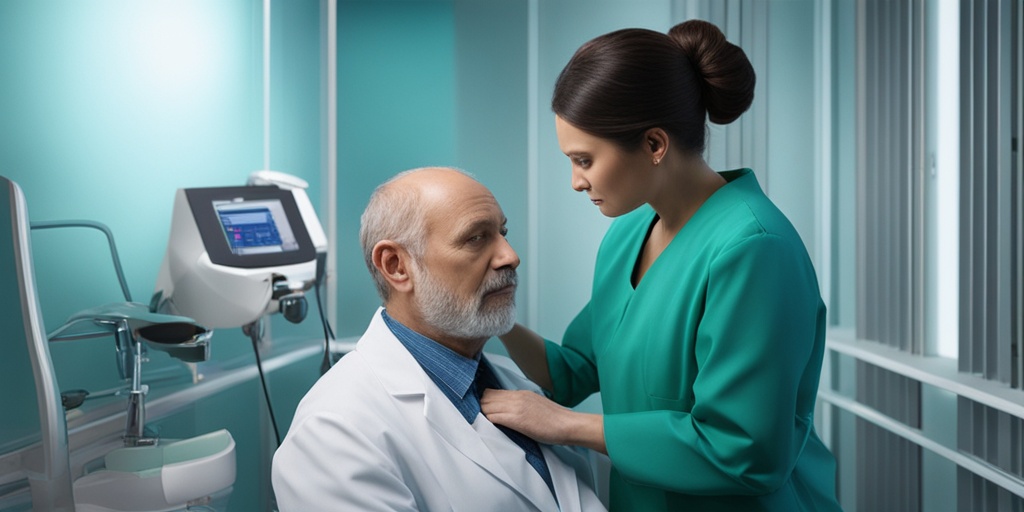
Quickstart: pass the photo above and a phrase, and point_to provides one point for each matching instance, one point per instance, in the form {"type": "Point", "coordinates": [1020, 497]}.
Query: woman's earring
{"type": "Point", "coordinates": [656, 161]}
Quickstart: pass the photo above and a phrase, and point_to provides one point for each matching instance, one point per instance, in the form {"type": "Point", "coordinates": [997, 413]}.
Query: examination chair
{"type": "Point", "coordinates": [35, 460]}
{"type": "Point", "coordinates": [34, 463]}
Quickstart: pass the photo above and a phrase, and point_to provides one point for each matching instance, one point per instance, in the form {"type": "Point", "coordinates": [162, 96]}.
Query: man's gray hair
{"type": "Point", "coordinates": [394, 213]}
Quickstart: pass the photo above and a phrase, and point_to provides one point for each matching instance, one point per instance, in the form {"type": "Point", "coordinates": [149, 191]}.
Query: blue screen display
{"type": "Point", "coordinates": [250, 228]}
{"type": "Point", "coordinates": [255, 227]}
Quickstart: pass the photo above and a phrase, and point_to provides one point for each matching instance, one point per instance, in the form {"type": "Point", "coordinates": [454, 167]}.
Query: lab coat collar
{"type": "Point", "coordinates": [402, 377]}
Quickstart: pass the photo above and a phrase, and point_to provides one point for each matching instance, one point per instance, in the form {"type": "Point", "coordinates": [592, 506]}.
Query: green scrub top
{"type": "Point", "coordinates": [709, 368]}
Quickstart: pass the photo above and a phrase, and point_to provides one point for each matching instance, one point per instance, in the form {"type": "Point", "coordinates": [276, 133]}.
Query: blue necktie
{"type": "Point", "coordinates": [486, 379]}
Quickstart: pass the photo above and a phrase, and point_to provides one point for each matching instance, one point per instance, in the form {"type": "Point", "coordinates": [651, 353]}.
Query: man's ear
{"type": "Point", "coordinates": [656, 142]}
{"type": "Point", "coordinates": [392, 261]}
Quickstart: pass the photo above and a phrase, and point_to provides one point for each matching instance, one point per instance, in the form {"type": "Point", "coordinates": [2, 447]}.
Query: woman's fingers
{"type": "Point", "coordinates": [524, 411]}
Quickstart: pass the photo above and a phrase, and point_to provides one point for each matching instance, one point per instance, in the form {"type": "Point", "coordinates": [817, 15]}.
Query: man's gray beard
{"type": "Point", "coordinates": [469, 319]}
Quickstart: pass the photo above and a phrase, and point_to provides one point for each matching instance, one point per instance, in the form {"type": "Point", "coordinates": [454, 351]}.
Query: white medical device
{"type": "Point", "coordinates": [238, 253]}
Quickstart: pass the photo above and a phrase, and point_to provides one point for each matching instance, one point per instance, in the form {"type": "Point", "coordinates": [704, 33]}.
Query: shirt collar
{"type": "Point", "coordinates": [452, 372]}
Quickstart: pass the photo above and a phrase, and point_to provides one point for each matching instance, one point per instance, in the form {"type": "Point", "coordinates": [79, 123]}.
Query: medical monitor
{"type": "Point", "coordinates": [250, 227]}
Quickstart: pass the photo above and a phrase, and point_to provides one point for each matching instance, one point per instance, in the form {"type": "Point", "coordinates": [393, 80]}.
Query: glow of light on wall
{"type": "Point", "coordinates": [177, 48]}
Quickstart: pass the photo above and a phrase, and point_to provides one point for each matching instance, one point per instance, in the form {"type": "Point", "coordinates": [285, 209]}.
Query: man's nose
{"type": "Point", "coordinates": [506, 256]}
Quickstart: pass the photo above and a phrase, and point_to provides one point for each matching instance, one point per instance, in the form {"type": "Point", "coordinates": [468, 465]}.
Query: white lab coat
{"type": "Point", "coordinates": [376, 433]}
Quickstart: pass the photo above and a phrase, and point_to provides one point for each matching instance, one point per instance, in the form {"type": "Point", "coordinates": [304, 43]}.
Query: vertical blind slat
{"type": "Point", "coordinates": [1018, 107]}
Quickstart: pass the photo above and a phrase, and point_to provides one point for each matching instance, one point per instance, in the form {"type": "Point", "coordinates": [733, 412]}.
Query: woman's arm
{"type": "Point", "coordinates": [526, 348]}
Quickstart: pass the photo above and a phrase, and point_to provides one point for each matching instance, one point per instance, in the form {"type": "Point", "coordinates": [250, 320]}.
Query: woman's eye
{"type": "Point", "coordinates": [583, 162]}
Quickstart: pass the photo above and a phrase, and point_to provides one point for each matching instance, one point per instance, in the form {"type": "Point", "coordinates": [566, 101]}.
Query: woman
{"type": "Point", "coordinates": [705, 329]}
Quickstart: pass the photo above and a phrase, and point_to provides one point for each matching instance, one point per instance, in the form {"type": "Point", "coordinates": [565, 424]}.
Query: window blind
{"type": "Point", "coordinates": [991, 255]}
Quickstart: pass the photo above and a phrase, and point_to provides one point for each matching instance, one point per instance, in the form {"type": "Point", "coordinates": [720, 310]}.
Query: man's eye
{"type": "Point", "coordinates": [475, 238]}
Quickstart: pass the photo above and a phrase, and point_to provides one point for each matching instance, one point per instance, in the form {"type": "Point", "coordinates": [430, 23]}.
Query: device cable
{"type": "Point", "coordinates": [255, 332]}
{"type": "Point", "coordinates": [325, 364]}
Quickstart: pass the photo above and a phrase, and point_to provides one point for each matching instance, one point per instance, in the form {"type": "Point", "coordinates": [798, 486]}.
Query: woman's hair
{"type": "Point", "coordinates": [619, 85]}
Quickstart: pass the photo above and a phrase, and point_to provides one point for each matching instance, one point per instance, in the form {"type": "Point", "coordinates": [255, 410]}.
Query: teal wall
{"type": "Point", "coordinates": [790, 96]}
{"type": "Point", "coordinates": [106, 108]}
{"type": "Point", "coordinates": [396, 111]}
{"type": "Point", "coordinates": [491, 113]}
{"type": "Point", "coordinates": [423, 83]}
{"type": "Point", "coordinates": [842, 311]}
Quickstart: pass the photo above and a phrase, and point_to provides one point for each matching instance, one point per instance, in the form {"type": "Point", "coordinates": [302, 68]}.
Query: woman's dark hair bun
{"type": "Point", "coordinates": [727, 78]}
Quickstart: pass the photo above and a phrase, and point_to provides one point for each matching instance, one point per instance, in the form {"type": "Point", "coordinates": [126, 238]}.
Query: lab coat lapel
{"type": "Point", "coordinates": [402, 376]}
{"type": "Point", "coordinates": [566, 461]}
{"type": "Point", "coordinates": [487, 446]}
{"type": "Point", "coordinates": [523, 477]}
{"type": "Point", "coordinates": [561, 460]}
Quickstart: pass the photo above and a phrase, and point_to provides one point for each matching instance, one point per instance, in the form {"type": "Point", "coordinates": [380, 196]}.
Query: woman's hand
{"type": "Point", "coordinates": [542, 419]}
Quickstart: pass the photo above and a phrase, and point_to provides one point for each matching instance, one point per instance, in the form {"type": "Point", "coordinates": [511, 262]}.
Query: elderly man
{"type": "Point", "coordinates": [396, 424]}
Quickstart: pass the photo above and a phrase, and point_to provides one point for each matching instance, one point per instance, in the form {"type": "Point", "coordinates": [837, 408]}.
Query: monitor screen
{"type": "Point", "coordinates": [255, 227]}
{"type": "Point", "coordinates": [250, 227]}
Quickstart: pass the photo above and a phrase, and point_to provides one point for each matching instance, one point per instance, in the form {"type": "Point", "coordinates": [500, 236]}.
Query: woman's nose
{"type": "Point", "coordinates": [579, 184]}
